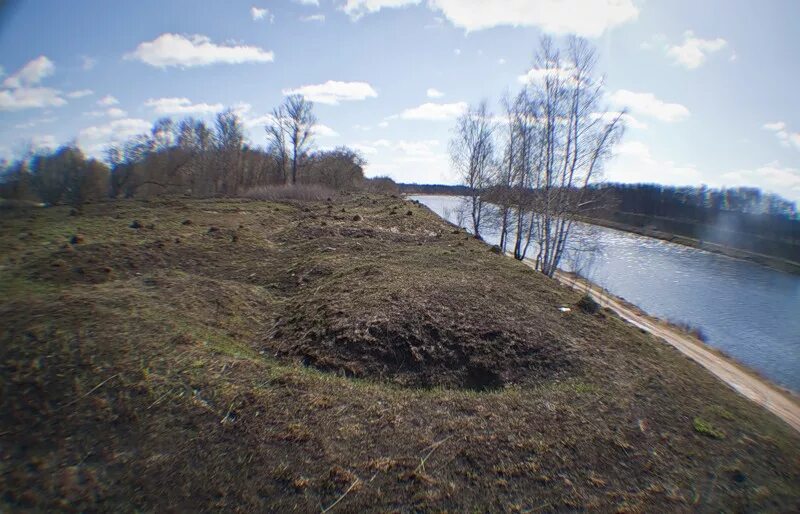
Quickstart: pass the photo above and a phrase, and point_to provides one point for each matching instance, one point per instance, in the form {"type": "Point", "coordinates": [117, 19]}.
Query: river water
{"type": "Point", "coordinates": [750, 312]}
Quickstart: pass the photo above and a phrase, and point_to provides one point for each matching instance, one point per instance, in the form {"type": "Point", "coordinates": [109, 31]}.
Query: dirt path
{"type": "Point", "coordinates": [743, 381]}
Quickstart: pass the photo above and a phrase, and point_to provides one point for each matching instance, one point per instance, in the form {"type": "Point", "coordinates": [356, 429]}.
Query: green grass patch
{"type": "Point", "coordinates": [704, 427]}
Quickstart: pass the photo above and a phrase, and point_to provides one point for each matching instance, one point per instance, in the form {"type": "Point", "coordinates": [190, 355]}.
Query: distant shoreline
{"type": "Point", "coordinates": [768, 261]}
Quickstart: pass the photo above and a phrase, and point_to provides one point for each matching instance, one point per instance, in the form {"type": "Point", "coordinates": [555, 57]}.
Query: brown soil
{"type": "Point", "coordinates": [307, 355]}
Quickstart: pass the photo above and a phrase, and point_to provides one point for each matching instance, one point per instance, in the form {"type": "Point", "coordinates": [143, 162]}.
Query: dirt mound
{"type": "Point", "coordinates": [420, 340]}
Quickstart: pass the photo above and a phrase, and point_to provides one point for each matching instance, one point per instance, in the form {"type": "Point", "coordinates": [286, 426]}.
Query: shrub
{"type": "Point", "coordinates": [690, 329]}
{"type": "Point", "coordinates": [705, 428]}
{"type": "Point", "coordinates": [588, 305]}
{"type": "Point", "coordinates": [289, 192]}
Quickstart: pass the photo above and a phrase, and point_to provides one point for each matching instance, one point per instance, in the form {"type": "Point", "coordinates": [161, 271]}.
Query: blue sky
{"type": "Point", "coordinates": [710, 86]}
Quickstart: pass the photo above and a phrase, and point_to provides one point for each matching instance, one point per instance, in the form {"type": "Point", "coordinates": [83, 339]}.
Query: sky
{"type": "Point", "coordinates": [710, 86]}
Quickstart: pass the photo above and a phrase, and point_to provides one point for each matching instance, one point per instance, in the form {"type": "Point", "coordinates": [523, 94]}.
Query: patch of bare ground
{"type": "Point", "coordinates": [342, 355]}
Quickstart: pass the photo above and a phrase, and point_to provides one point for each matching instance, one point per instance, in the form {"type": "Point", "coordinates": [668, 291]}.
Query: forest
{"type": "Point", "coordinates": [189, 157]}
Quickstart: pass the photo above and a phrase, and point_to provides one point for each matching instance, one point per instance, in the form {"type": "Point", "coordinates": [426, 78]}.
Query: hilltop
{"type": "Point", "coordinates": [356, 353]}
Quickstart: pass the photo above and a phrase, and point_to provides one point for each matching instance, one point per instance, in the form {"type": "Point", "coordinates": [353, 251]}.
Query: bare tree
{"type": "Point", "coordinates": [276, 139]}
{"type": "Point", "coordinates": [230, 143]}
{"type": "Point", "coordinates": [472, 154]}
{"type": "Point", "coordinates": [524, 124]}
{"type": "Point", "coordinates": [291, 131]}
{"type": "Point", "coordinates": [572, 138]}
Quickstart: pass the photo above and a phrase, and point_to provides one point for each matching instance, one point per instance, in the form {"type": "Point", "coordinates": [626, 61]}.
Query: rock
{"type": "Point", "coordinates": [151, 226]}
{"type": "Point", "coordinates": [409, 213]}
{"type": "Point", "coordinates": [186, 222]}
{"type": "Point", "coordinates": [136, 224]}
{"type": "Point", "coordinates": [76, 239]}
{"type": "Point", "coordinates": [357, 217]}
{"type": "Point", "coordinates": [211, 230]}
{"type": "Point", "coordinates": [73, 212]}
{"type": "Point", "coordinates": [495, 249]}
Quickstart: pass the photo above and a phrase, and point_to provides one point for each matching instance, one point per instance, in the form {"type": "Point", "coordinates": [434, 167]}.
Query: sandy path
{"type": "Point", "coordinates": [746, 383]}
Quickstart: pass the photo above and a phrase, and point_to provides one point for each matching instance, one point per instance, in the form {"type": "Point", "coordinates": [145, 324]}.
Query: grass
{"type": "Point", "coordinates": [342, 351]}
{"type": "Point", "coordinates": [705, 428]}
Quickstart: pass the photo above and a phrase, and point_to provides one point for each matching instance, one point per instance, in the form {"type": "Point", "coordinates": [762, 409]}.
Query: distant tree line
{"type": "Point", "coordinates": [698, 203]}
{"type": "Point", "coordinates": [742, 217]}
{"type": "Point", "coordinates": [433, 189]}
{"type": "Point", "coordinates": [192, 158]}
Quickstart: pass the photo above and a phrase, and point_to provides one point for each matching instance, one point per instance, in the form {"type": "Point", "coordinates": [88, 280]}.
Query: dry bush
{"type": "Point", "coordinates": [290, 192]}
{"type": "Point", "coordinates": [691, 329]}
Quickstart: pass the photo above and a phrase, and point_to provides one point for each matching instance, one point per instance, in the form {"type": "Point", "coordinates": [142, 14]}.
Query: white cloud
{"type": "Point", "coordinates": [108, 100]}
{"type": "Point", "coordinates": [538, 75]}
{"type": "Point", "coordinates": [195, 50]}
{"type": "Point", "coordinates": [588, 18]}
{"type": "Point", "coordinates": [786, 137]}
{"type": "Point", "coordinates": [258, 13]}
{"type": "Point", "coordinates": [314, 17]}
{"type": "Point", "coordinates": [323, 131]}
{"type": "Point", "coordinates": [44, 141]}
{"type": "Point", "coordinates": [21, 89]}
{"type": "Point", "coordinates": [308, 2]}
{"type": "Point", "coordinates": [31, 74]}
{"type": "Point", "coordinates": [434, 112]}
{"type": "Point", "coordinates": [112, 112]}
{"type": "Point", "coordinates": [80, 93]}
{"type": "Point", "coordinates": [583, 17]}
{"type": "Point", "coordinates": [116, 130]}
{"type": "Point", "coordinates": [457, 51]}
{"type": "Point", "coordinates": [383, 124]}
{"type": "Point", "coordinates": [775, 126]}
{"type": "Point", "coordinates": [258, 121]}
{"type": "Point", "coordinates": [630, 121]}
{"type": "Point", "coordinates": [633, 162]}
{"type": "Point", "coordinates": [358, 8]}
{"type": "Point", "coordinates": [30, 98]}
{"type": "Point", "coordinates": [434, 93]}
{"type": "Point", "coordinates": [648, 105]}
{"type": "Point", "coordinates": [501, 60]}
{"type": "Point", "coordinates": [772, 177]}
{"type": "Point", "coordinates": [694, 51]}
{"type": "Point", "coordinates": [363, 149]}
{"type": "Point", "coordinates": [425, 148]}
{"type": "Point", "coordinates": [181, 106]}
{"type": "Point", "coordinates": [87, 63]}
{"type": "Point", "coordinates": [116, 112]}
{"type": "Point", "coordinates": [333, 91]}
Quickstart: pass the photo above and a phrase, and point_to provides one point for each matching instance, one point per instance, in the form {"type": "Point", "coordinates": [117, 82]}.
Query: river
{"type": "Point", "coordinates": [750, 312]}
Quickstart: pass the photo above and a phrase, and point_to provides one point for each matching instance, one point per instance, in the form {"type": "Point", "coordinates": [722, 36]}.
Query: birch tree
{"type": "Point", "coordinates": [291, 131]}
{"type": "Point", "coordinates": [572, 139]}
{"type": "Point", "coordinates": [472, 154]}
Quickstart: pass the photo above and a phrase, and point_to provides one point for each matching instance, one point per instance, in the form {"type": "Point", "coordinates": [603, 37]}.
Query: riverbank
{"type": "Point", "coordinates": [772, 262]}
{"type": "Point", "coordinates": [357, 354]}
{"type": "Point", "coordinates": [747, 382]}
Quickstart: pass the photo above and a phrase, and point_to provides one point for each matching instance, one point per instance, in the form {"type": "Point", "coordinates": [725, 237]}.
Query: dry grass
{"type": "Point", "coordinates": [300, 192]}
{"type": "Point", "coordinates": [253, 368]}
